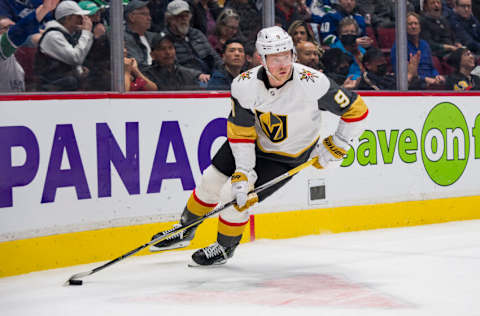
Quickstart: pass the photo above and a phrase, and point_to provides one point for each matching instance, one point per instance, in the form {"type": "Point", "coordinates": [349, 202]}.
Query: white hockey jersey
{"type": "Point", "coordinates": [284, 122]}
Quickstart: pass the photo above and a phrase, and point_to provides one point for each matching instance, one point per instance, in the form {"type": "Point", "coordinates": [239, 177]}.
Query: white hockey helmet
{"type": "Point", "coordinates": [272, 40]}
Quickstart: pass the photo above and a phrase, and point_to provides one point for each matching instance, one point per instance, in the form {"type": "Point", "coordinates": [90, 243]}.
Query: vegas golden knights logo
{"type": "Point", "coordinates": [273, 125]}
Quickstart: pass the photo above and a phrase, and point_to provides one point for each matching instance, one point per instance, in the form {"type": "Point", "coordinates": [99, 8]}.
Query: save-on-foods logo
{"type": "Point", "coordinates": [444, 145]}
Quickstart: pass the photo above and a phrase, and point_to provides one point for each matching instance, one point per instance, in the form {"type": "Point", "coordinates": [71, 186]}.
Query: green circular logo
{"type": "Point", "coordinates": [445, 144]}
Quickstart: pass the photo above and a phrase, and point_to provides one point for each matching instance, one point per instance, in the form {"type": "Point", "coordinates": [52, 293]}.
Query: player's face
{"type": "Point", "coordinates": [280, 66]}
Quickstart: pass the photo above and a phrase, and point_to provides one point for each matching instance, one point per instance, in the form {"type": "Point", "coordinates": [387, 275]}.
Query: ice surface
{"type": "Point", "coordinates": [423, 270]}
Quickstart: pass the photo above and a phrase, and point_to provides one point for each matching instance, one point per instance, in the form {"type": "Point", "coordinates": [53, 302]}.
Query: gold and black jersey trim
{"type": "Point", "coordinates": [357, 111]}
{"type": "Point", "coordinates": [337, 100]}
{"type": "Point", "coordinates": [241, 134]}
{"type": "Point", "coordinates": [280, 156]}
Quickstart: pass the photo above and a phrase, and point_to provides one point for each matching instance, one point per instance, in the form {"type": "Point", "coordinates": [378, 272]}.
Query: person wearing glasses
{"type": "Point", "coordinates": [138, 39]}
{"type": "Point", "coordinates": [227, 27]}
{"type": "Point", "coordinates": [466, 26]}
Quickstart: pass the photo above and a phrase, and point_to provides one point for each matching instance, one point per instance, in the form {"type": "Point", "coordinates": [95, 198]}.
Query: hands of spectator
{"type": "Point", "coordinates": [129, 62]}
{"type": "Point", "coordinates": [35, 38]}
{"type": "Point", "coordinates": [364, 41]}
{"type": "Point", "coordinates": [412, 67]}
{"type": "Point", "coordinates": [349, 83]}
{"type": "Point", "coordinates": [304, 10]}
{"type": "Point", "coordinates": [439, 79]}
{"type": "Point", "coordinates": [430, 81]}
{"type": "Point", "coordinates": [86, 23]}
{"type": "Point", "coordinates": [450, 47]}
{"type": "Point", "coordinates": [204, 78]}
{"type": "Point", "coordinates": [99, 30]}
{"type": "Point", "coordinates": [45, 8]}
{"type": "Point", "coordinates": [5, 23]}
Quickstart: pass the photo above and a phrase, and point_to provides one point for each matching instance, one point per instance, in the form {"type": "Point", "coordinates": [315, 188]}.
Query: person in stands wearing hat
{"type": "Point", "coordinates": [63, 48]}
{"type": "Point", "coordinates": [192, 47]}
{"type": "Point", "coordinates": [462, 79]}
{"type": "Point", "coordinates": [94, 15]}
{"type": "Point", "coordinates": [137, 39]}
{"type": "Point", "coordinates": [166, 73]}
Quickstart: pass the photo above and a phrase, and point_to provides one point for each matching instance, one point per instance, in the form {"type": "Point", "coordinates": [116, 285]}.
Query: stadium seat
{"type": "Point", "coordinates": [385, 38]}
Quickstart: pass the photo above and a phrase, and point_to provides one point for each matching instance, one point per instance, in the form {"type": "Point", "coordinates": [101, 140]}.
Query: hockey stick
{"type": "Point", "coordinates": [76, 278]}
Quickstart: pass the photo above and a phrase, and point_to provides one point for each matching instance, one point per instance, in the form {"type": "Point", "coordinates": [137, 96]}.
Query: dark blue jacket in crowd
{"type": "Point", "coordinates": [467, 32]}
{"type": "Point", "coordinates": [17, 9]}
{"type": "Point", "coordinates": [221, 79]}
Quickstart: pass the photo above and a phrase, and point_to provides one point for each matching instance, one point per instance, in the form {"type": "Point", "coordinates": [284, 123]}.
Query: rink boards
{"type": "Point", "coordinates": [86, 178]}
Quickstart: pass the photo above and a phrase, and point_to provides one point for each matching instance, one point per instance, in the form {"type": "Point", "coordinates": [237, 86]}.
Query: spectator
{"type": "Point", "coordinates": [462, 79]}
{"type": "Point", "coordinates": [253, 58]}
{"type": "Point", "coordinates": [12, 36]}
{"type": "Point", "coordinates": [299, 31]}
{"type": "Point", "coordinates": [192, 47]}
{"type": "Point", "coordinates": [426, 69]}
{"type": "Point", "coordinates": [337, 64]}
{"type": "Point", "coordinates": [204, 15]}
{"type": "Point", "coordinates": [384, 14]}
{"type": "Point", "coordinates": [250, 17]}
{"type": "Point", "coordinates": [135, 80]}
{"type": "Point", "coordinates": [348, 30]}
{"type": "Point", "coordinates": [308, 54]}
{"type": "Point", "coordinates": [465, 26]}
{"type": "Point", "coordinates": [137, 38]}
{"type": "Point", "coordinates": [287, 11]}
{"type": "Point", "coordinates": [233, 61]}
{"type": "Point", "coordinates": [63, 48]}
{"type": "Point", "coordinates": [98, 63]}
{"type": "Point", "coordinates": [436, 29]}
{"type": "Point", "coordinates": [376, 76]}
{"type": "Point", "coordinates": [330, 22]}
{"type": "Point", "coordinates": [94, 15]}
{"type": "Point", "coordinates": [227, 27]}
{"type": "Point", "coordinates": [166, 73]}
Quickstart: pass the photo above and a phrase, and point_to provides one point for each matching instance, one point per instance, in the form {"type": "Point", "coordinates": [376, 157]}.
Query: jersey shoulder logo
{"type": "Point", "coordinates": [307, 75]}
{"type": "Point", "coordinates": [273, 125]}
{"type": "Point", "coordinates": [244, 75]}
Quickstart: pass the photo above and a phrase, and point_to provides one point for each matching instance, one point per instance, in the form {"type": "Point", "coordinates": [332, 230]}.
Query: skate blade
{"type": "Point", "coordinates": [182, 244]}
{"type": "Point", "coordinates": [193, 264]}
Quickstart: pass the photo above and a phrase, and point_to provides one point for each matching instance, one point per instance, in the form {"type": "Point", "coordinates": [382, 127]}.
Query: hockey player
{"type": "Point", "coordinates": [273, 127]}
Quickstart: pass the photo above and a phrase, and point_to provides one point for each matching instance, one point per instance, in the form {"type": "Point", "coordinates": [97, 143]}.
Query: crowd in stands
{"type": "Point", "coordinates": [170, 45]}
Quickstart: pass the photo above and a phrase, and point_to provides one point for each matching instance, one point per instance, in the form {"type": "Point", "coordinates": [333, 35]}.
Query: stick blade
{"type": "Point", "coordinates": [76, 278]}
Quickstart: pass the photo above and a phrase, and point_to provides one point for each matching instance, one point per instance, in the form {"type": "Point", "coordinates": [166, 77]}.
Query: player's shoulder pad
{"type": "Point", "coordinates": [314, 82]}
{"type": "Point", "coordinates": [244, 86]}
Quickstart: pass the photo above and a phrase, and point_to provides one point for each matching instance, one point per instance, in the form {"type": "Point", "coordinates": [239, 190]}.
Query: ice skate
{"type": "Point", "coordinates": [214, 254]}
